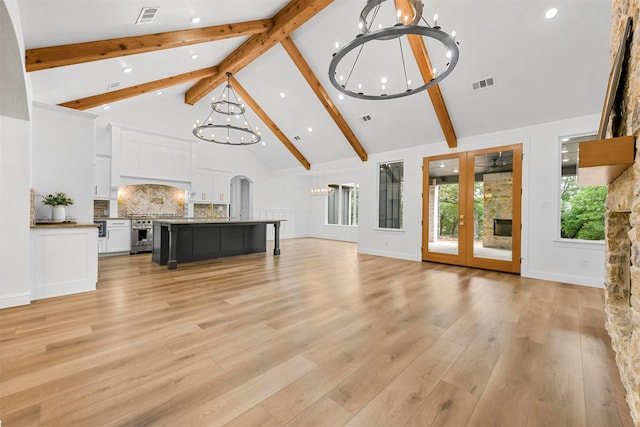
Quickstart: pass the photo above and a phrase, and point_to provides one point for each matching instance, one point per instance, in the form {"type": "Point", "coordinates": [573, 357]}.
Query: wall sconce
{"type": "Point", "coordinates": [181, 199]}
{"type": "Point", "coordinates": [120, 197]}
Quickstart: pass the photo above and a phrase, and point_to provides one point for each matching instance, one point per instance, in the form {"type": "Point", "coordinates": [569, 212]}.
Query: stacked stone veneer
{"type": "Point", "coordinates": [622, 223]}
{"type": "Point", "coordinates": [498, 204]}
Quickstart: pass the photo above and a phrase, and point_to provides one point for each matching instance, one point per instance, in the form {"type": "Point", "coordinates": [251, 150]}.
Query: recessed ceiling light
{"type": "Point", "coordinates": [281, 94]}
{"type": "Point", "coordinates": [159, 92]}
{"type": "Point", "coordinates": [309, 129]}
{"type": "Point", "coordinates": [383, 79]}
{"type": "Point", "coordinates": [341, 97]}
{"type": "Point", "coordinates": [194, 56]}
{"type": "Point", "coordinates": [551, 13]}
{"type": "Point", "coordinates": [106, 107]}
{"type": "Point", "coordinates": [565, 160]}
{"type": "Point", "coordinates": [127, 70]}
{"type": "Point", "coordinates": [337, 45]}
{"type": "Point", "coordinates": [195, 19]}
{"type": "Point", "coordinates": [264, 143]}
{"type": "Point", "coordinates": [565, 139]}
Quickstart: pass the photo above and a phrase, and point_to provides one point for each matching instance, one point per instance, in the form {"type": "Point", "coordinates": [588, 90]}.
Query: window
{"type": "Point", "coordinates": [581, 208]}
{"type": "Point", "coordinates": [390, 195]}
{"type": "Point", "coordinates": [342, 204]}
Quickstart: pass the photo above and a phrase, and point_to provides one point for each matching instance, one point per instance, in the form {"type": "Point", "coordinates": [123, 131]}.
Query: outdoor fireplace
{"type": "Point", "coordinates": [501, 227]}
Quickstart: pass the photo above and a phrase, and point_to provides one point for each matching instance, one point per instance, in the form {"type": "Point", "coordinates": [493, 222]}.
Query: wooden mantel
{"type": "Point", "coordinates": [603, 160]}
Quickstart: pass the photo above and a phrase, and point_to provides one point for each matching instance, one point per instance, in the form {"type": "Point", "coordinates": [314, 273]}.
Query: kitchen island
{"type": "Point", "coordinates": [196, 239]}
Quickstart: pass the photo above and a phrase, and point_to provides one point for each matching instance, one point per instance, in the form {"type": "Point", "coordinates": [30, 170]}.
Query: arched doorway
{"type": "Point", "coordinates": [241, 202]}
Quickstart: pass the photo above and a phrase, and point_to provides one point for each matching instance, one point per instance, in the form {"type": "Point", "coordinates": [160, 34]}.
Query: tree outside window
{"type": "Point", "coordinates": [581, 208]}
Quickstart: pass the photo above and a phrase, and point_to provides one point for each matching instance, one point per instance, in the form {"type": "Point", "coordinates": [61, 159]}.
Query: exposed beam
{"type": "Point", "coordinates": [251, 103]}
{"type": "Point", "coordinates": [287, 20]}
{"type": "Point", "coordinates": [322, 95]}
{"type": "Point", "coordinates": [424, 65]}
{"type": "Point", "coordinates": [129, 92]}
{"type": "Point", "coordinates": [59, 56]}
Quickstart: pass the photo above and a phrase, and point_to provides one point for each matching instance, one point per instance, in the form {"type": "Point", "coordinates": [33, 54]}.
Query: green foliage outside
{"type": "Point", "coordinates": [448, 213]}
{"type": "Point", "coordinates": [450, 205]}
{"type": "Point", "coordinates": [582, 210]}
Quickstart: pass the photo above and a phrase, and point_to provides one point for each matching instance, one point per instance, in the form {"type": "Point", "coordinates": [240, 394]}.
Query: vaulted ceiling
{"type": "Point", "coordinates": [279, 53]}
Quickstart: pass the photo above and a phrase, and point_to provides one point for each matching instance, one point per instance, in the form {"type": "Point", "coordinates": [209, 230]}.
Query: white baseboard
{"type": "Point", "coordinates": [388, 254]}
{"type": "Point", "coordinates": [564, 278]}
{"type": "Point", "coordinates": [14, 300]}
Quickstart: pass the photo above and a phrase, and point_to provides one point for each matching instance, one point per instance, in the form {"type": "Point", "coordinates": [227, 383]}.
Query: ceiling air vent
{"type": "Point", "coordinates": [147, 15]}
{"type": "Point", "coordinates": [297, 138]}
{"type": "Point", "coordinates": [365, 118]}
{"type": "Point", "coordinates": [484, 83]}
{"type": "Point", "coordinates": [112, 86]}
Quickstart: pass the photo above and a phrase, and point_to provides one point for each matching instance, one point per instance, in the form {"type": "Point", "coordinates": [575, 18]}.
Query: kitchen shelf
{"type": "Point", "coordinates": [603, 160]}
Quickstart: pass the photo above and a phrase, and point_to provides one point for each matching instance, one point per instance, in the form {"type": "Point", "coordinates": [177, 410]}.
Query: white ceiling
{"type": "Point", "coordinates": [545, 70]}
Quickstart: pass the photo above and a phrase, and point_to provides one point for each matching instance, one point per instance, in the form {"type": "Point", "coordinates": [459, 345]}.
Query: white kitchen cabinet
{"type": "Point", "coordinates": [211, 186]}
{"type": "Point", "coordinates": [102, 177]}
{"type": "Point", "coordinates": [102, 245]}
{"type": "Point", "coordinates": [118, 235]}
{"type": "Point", "coordinates": [202, 185]}
{"type": "Point", "coordinates": [221, 187]}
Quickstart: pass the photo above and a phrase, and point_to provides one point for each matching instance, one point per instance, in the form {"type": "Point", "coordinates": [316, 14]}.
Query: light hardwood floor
{"type": "Point", "coordinates": [317, 336]}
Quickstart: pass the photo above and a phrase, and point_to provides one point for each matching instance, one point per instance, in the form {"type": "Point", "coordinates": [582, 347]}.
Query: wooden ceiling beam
{"type": "Point", "coordinates": [253, 105]}
{"type": "Point", "coordinates": [286, 21]}
{"type": "Point", "coordinates": [129, 92]}
{"type": "Point", "coordinates": [426, 70]}
{"type": "Point", "coordinates": [323, 96]}
{"type": "Point", "coordinates": [70, 54]}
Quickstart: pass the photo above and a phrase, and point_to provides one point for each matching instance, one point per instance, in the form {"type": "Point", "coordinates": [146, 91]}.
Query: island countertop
{"type": "Point", "coordinates": [217, 221]}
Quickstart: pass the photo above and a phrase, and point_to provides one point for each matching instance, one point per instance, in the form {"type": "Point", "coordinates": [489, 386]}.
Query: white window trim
{"type": "Point", "coordinates": [560, 241]}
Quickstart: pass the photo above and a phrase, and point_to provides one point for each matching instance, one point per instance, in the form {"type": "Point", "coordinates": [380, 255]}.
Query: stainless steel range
{"type": "Point", "coordinates": [141, 235]}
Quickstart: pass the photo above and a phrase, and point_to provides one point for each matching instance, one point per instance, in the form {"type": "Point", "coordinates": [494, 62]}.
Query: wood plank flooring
{"type": "Point", "coordinates": [317, 336]}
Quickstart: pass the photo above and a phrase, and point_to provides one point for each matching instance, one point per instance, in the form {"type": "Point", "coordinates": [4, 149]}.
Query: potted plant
{"type": "Point", "coordinates": [58, 202]}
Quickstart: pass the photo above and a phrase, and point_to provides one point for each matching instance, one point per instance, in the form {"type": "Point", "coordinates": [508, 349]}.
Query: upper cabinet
{"type": "Point", "coordinates": [221, 187]}
{"type": "Point", "coordinates": [210, 186]}
{"type": "Point", "coordinates": [102, 178]}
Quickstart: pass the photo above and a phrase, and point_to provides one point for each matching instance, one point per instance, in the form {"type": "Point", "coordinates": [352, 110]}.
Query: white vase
{"type": "Point", "coordinates": [58, 213]}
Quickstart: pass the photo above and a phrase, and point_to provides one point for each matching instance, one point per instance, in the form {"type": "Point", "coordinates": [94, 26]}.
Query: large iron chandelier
{"type": "Point", "coordinates": [236, 130]}
{"type": "Point", "coordinates": [367, 70]}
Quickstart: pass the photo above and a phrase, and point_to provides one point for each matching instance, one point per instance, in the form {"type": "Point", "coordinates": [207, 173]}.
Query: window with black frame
{"type": "Point", "coordinates": [390, 195]}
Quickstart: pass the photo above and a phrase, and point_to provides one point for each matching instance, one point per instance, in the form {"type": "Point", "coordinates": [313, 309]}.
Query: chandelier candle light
{"type": "Point", "coordinates": [374, 71]}
{"type": "Point", "coordinates": [236, 130]}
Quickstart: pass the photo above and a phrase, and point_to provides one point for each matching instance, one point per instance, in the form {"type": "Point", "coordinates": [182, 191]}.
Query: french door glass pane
{"type": "Point", "coordinates": [444, 213]}
{"type": "Point", "coordinates": [493, 205]}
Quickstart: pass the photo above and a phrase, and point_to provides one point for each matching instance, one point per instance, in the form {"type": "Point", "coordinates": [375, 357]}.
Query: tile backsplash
{"type": "Point", "coordinates": [100, 208]}
{"type": "Point", "coordinates": [150, 199]}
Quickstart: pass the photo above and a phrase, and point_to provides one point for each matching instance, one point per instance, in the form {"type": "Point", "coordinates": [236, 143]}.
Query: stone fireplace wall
{"type": "Point", "coordinates": [622, 241]}
{"type": "Point", "coordinates": [498, 204]}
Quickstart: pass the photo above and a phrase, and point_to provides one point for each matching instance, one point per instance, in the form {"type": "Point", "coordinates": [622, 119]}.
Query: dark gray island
{"type": "Point", "coordinates": [194, 239]}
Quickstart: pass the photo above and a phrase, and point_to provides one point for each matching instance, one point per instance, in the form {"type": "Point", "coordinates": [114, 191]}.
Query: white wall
{"type": "Point", "coordinates": [15, 165]}
{"type": "Point", "coordinates": [544, 255]}
{"type": "Point", "coordinates": [63, 152]}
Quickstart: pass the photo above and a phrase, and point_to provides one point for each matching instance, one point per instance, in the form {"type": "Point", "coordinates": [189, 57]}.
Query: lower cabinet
{"type": "Point", "coordinates": [118, 236]}
{"type": "Point", "coordinates": [64, 260]}
{"type": "Point", "coordinates": [102, 245]}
